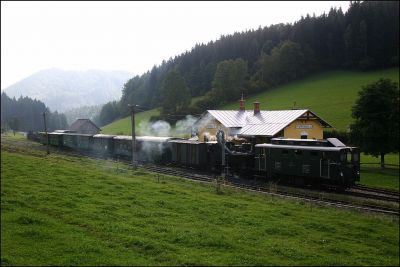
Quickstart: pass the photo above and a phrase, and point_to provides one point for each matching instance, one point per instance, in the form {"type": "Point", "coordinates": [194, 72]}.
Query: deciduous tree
{"type": "Point", "coordinates": [376, 114]}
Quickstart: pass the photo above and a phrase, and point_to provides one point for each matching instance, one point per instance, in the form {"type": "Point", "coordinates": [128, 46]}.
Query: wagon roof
{"type": "Point", "coordinates": [300, 140]}
{"type": "Point", "coordinates": [185, 141]}
{"type": "Point", "coordinates": [104, 136]}
{"type": "Point", "coordinates": [77, 134]}
{"type": "Point", "coordinates": [144, 138]}
{"type": "Point", "coordinates": [289, 147]}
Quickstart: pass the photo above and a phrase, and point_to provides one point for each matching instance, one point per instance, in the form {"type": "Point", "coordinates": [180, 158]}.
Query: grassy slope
{"type": "Point", "coordinates": [123, 126]}
{"type": "Point", "coordinates": [52, 215]}
{"type": "Point", "coordinates": [330, 95]}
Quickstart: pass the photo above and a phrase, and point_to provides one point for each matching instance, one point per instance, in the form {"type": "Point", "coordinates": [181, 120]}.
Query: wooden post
{"type": "Point", "coordinates": [134, 165]}
{"type": "Point", "coordinates": [45, 130]}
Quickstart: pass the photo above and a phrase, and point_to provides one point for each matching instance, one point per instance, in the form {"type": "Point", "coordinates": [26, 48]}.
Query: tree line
{"type": "Point", "coordinates": [363, 38]}
{"type": "Point", "coordinates": [26, 114]}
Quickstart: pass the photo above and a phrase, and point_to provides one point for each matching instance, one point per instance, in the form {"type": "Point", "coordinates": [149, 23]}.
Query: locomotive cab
{"type": "Point", "coordinates": [350, 164]}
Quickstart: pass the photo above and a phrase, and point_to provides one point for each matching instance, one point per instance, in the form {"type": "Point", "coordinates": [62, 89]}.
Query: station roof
{"type": "Point", "coordinates": [264, 123]}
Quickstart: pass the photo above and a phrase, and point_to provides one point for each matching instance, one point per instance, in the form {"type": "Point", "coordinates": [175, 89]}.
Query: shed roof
{"type": "Point", "coordinates": [79, 123]}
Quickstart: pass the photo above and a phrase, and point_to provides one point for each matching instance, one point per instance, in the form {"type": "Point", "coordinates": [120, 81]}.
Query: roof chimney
{"type": "Point", "coordinates": [242, 107]}
{"type": "Point", "coordinates": [256, 107]}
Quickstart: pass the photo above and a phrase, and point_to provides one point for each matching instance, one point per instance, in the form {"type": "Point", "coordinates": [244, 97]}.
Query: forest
{"type": "Point", "coordinates": [365, 37]}
{"type": "Point", "coordinates": [26, 114]}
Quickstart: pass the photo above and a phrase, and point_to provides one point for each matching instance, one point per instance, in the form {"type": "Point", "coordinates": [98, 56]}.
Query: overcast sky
{"type": "Point", "coordinates": [128, 36]}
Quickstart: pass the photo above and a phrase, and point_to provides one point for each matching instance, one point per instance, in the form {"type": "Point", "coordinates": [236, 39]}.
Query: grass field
{"type": "Point", "coordinates": [330, 95]}
{"type": "Point", "coordinates": [52, 214]}
{"type": "Point", "coordinates": [123, 126]}
{"type": "Point", "coordinates": [372, 175]}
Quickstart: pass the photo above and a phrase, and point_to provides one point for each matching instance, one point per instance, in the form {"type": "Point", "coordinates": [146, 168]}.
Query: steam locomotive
{"type": "Point", "coordinates": [298, 161]}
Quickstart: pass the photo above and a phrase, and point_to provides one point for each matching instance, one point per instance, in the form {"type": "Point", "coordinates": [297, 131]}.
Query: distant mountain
{"type": "Point", "coordinates": [62, 90]}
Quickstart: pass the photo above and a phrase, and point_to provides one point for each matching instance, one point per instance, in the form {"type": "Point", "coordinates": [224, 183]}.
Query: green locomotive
{"type": "Point", "coordinates": [329, 162]}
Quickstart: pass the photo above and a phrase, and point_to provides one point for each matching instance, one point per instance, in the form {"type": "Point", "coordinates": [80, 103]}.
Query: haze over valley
{"type": "Point", "coordinates": [63, 90]}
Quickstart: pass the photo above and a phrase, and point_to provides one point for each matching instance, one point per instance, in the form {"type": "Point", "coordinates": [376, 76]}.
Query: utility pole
{"type": "Point", "coordinates": [45, 130]}
{"type": "Point", "coordinates": [134, 165]}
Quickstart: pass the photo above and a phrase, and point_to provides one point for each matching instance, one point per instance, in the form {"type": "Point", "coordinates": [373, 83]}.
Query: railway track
{"type": "Point", "coordinates": [377, 190]}
{"type": "Point", "coordinates": [363, 191]}
{"type": "Point", "coordinates": [279, 193]}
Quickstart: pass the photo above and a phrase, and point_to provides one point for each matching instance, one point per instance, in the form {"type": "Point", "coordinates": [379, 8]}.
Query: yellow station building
{"type": "Point", "coordinates": [260, 125]}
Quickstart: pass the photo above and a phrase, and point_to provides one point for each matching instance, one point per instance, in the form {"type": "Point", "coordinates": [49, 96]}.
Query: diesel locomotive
{"type": "Point", "coordinates": [297, 161]}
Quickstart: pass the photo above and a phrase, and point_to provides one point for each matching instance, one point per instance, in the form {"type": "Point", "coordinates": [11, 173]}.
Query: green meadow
{"type": "Point", "coordinates": [62, 210]}
{"type": "Point", "coordinates": [123, 126]}
{"type": "Point", "coordinates": [330, 94]}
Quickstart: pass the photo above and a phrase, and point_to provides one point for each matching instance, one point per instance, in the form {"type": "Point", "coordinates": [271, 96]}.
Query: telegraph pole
{"type": "Point", "coordinates": [134, 165]}
{"type": "Point", "coordinates": [45, 130]}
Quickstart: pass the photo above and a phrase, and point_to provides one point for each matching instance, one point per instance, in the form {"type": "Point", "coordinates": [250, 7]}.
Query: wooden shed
{"type": "Point", "coordinates": [84, 126]}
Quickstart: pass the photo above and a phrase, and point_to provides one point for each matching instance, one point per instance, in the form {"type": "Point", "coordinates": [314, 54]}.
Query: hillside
{"type": "Point", "coordinates": [329, 94]}
{"type": "Point", "coordinates": [62, 90]}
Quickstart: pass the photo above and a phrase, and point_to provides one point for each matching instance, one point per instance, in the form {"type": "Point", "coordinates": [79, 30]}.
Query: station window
{"type": "Point", "coordinates": [285, 152]}
{"type": "Point", "coordinates": [314, 153]}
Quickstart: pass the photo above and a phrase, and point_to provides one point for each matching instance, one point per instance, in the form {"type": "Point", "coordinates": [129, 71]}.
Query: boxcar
{"type": "Point", "coordinates": [332, 165]}
{"type": "Point", "coordinates": [214, 156]}
{"type": "Point", "coordinates": [154, 149]}
{"type": "Point", "coordinates": [189, 153]}
{"type": "Point", "coordinates": [123, 146]}
{"type": "Point", "coordinates": [42, 138]}
{"type": "Point", "coordinates": [56, 139]}
{"type": "Point", "coordinates": [148, 148]}
{"type": "Point", "coordinates": [84, 142]}
{"type": "Point", "coordinates": [70, 140]}
{"type": "Point", "coordinates": [103, 144]}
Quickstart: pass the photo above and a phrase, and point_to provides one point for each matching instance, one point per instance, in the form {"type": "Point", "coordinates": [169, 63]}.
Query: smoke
{"type": "Point", "coordinates": [152, 151]}
{"type": "Point", "coordinates": [205, 120]}
{"type": "Point", "coordinates": [161, 128]}
{"type": "Point", "coordinates": [183, 127]}
{"type": "Point", "coordinates": [158, 128]}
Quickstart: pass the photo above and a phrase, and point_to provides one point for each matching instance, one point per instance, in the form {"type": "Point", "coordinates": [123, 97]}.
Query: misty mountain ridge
{"type": "Point", "coordinates": [64, 89]}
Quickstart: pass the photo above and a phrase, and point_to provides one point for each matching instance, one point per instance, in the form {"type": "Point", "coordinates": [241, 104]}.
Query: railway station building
{"type": "Point", "coordinates": [260, 125]}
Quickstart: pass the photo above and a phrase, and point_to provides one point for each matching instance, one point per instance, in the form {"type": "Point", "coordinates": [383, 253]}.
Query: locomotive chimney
{"type": "Point", "coordinates": [256, 107]}
{"type": "Point", "coordinates": [242, 107]}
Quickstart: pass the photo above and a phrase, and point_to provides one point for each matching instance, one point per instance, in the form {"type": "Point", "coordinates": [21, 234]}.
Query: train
{"type": "Point", "coordinates": [296, 161]}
